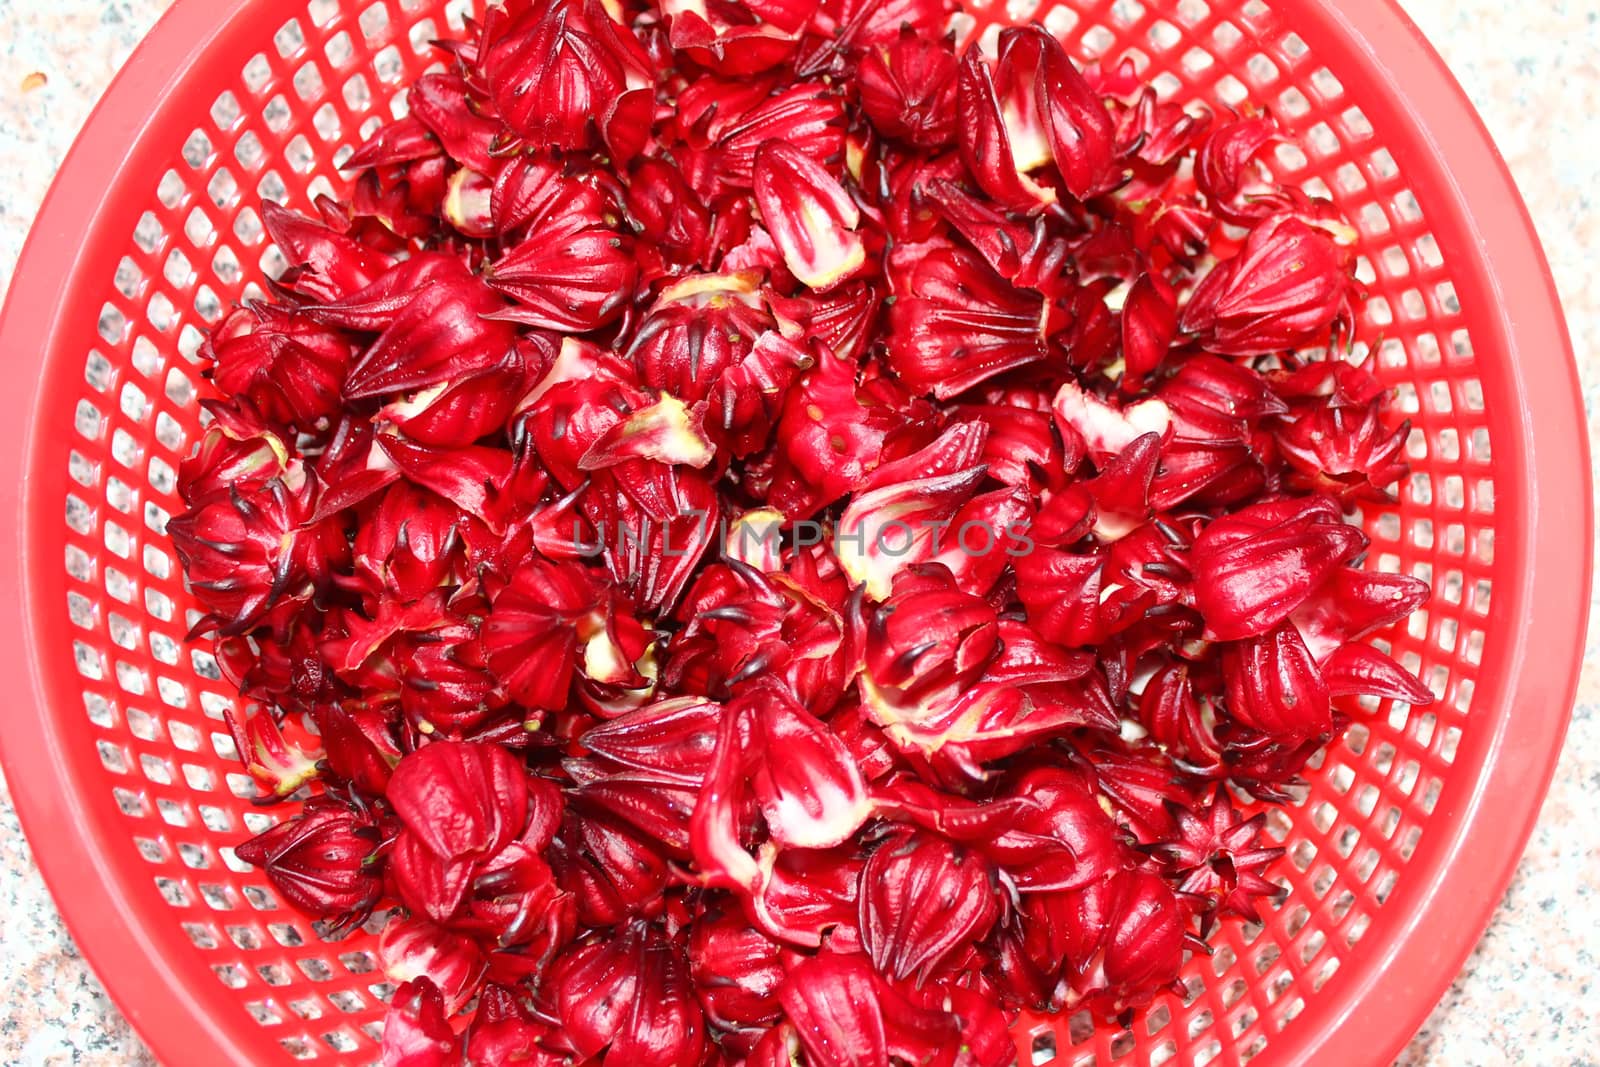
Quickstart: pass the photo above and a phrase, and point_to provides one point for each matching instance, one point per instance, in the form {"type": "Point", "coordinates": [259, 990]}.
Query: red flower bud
{"type": "Point", "coordinates": [803, 894]}
{"type": "Point", "coordinates": [829, 437]}
{"type": "Point", "coordinates": [505, 1032]}
{"type": "Point", "coordinates": [809, 215]}
{"type": "Point", "coordinates": [566, 75]}
{"type": "Point", "coordinates": [277, 765]}
{"type": "Point", "coordinates": [955, 323]}
{"type": "Point", "coordinates": [671, 738]}
{"type": "Point", "coordinates": [359, 746]}
{"type": "Point", "coordinates": [571, 270]}
{"type": "Point", "coordinates": [989, 145]}
{"type": "Point", "coordinates": [1142, 945]}
{"type": "Point", "coordinates": [1234, 184]}
{"type": "Point", "coordinates": [402, 141]}
{"type": "Point", "coordinates": [1219, 858]}
{"type": "Point", "coordinates": [1353, 604]}
{"type": "Point", "coordinates": [288, 366]}
{"type": "Point", "coordinates": [1361, 670]}
{"type": "Point", "coordinates": [630, 997]}
{"type": "Point", "coordinates": [1050, 106]}
{"type": "Point", "coordinates": [708, 342]}
{"type": "Point", "coordinates": [1349, 454]}
{"type": "Point", "coordinates": [907, 510]}
{"type": "Point", "coordinates": [247, 555]}
{"type": "Point", "coordinates": [908, 89]}
{"type": "Point", "coordinates": [923, 898]}
{"type": "Point", "coordinates": [416, 1032]}
{"type": "Point", "coordinates": [323, 264]}
{"type": "Point", "coordinates": [474, 825]}
{"type": "Point", "coordinates": [656, 805]}
{"type": "Point", "coordinates": [832, 1000]}
{"type": "Point", "coordinates": [1254, 567]}
{"type": "Point", "coordinates": [1149, 323]}
{"type": "Point", "coordinates": [1021, 448]}
{"type": "Point", "coordinates": [1288, 286]}
{"type": "Point", "coordinates": [414, 950]}
{"type": "Point", "coordinates": [810, 791]}
{"type": "Point", "coordinates": [1025, 254]}
{"type": "Point", "coordinates": [458, 412]}
{"type": "Point", "coordinates": [239, 454]}
{"type": "Point", "coordinates": [1274, 686]}
{"type": "Point", "coordinates": [737, 972]}
{"type": "Point", "coordinates": [535, 631]}
{"type": "Point", "coordinates": [613, 871]}
{"type": "Point", "coordinates": [926, 644]}
{"type": "Point", "coordinates": [735, 39]}
{"type": "Point", "coordinates": [656, 525]}
{"type": "Point", "coordinates": [322, 860]}
{"type": "Point", "coordinates": [733, 121]}
{"type": "Point", "coordinates": [672, 221]}
{"type": "Point", "coordinates": [429, 313]}
{"type": "Point", "coordinates": [1076, 599]}
{"type": "Point", "coordinates": [445, 105]}
{"type": "Point", "coordinates": [409, 544]}
{"type": "Point", "coordinates": [1177, 720]}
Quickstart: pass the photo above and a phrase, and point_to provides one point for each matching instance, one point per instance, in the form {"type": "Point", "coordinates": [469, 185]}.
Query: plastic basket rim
{"type": "Point", "coordinates": [1423, 935]}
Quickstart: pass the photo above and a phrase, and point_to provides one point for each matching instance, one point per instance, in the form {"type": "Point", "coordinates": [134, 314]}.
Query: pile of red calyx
{"type": "Point", "coordinates": [769, 537]}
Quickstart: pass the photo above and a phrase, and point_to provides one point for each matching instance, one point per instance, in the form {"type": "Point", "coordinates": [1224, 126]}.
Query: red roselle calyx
{"type": "Point", "coordinates": [771, 536]}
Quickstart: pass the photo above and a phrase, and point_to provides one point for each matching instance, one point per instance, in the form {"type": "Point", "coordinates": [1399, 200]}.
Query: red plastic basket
{"type": "Point", "coordinates": [114, 744]}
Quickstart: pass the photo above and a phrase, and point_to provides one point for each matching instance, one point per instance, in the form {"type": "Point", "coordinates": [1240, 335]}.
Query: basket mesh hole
{"type": "Point", "coordinates": [276, 974]}
{"type": "Point", "coordinates": [249, 151]}
{"type": "Point", "coordinates": [315, 969]}
{"type": "Point", "coordinates": [171, 190]}
{"type": "Point", "coordinates": [81, 610]}
{"type": "Point", "coordinates": [173, 892]}
{"type": "Point", "coordinates": [160, 313]}
{"type": "Point", "coordinates": [374, 21]}
{"type": "Point", "coordinates": [1162, 35]}
{"type": "Point", "coordinates": [129, 280]}
{"type": "Point", "coordinates": [298, 1047]}
{"type": "Point", "coordinates": [289, 39]}
{"type": "Point", "coordinates": [214, 818]}
{"type": "Point", "coordinates": [231, 975]}
{"type": "Point", "coordinates": [285, 934]}
{"type": "Point", "coordinates": [197, 149]}
{"type": "Point", "coordinates": [201, 935]}
{"type": "Point", "coordinates": [358, 962]}
{"type": "Point", "coordinates": [200, 231]}
{"type": "Point", "coordinates": [421, 35]}
{"type": "Point", "coordinates": [388, 65]}
{"type": "Point", "coordinates": [172, 813]}
{"type": "Point", "coordinates": [340, 1041]}
{"type": "Point", "coordinates": [300, 155]}
{"type": "Point", "coordinates": [257, 73]}
{"type": "Point", "coordinates": [308, 84]}
{"type": "Point", "coordinates": [347, 1001]}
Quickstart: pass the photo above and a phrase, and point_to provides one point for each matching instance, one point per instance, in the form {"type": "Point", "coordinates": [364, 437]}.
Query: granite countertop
{"type": "Point", "coordinates": [1524, 997]}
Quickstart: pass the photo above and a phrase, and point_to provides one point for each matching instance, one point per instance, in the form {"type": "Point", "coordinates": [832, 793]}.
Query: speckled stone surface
{"type": "Point", "coordinates": [1527, 994]}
